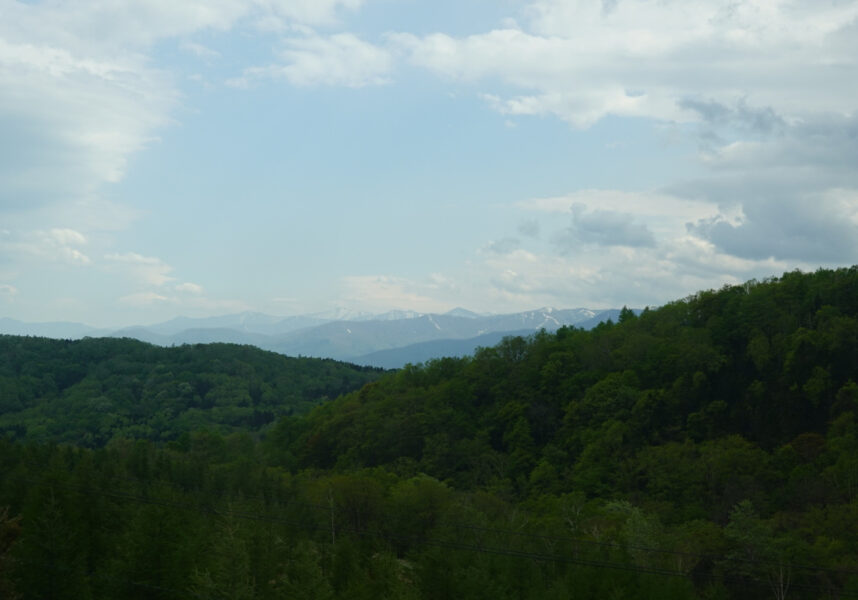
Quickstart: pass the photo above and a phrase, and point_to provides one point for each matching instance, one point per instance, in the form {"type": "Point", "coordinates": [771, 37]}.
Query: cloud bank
{"type": "Point", "coordinates": [764, 92]}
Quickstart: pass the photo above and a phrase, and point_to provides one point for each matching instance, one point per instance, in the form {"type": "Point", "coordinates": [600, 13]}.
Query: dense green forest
{"type": "Point", "coordinates": [707, 449]}
{"type": "Point", "coordinates": [89, 391]}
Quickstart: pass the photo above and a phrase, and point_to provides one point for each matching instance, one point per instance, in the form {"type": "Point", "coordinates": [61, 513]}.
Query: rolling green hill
{"type": "Point", "coordinates": [767, 361]}
{"type": "Point", "coordinates": [88, 391]}
{"type": "Point", "coordinates": [704, 450]}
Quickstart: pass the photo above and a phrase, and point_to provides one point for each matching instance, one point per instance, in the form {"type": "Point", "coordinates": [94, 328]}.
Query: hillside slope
{"type": "Point", "coordinates": [89, 391]}
{"type": "Point", "coordinates": [707, 450]}
{"type": "Point", "coordinates": [768, 361]}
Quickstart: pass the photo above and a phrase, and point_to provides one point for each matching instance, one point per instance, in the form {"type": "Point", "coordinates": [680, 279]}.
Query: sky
{"type": "Point", "coordinates": [205, 157]}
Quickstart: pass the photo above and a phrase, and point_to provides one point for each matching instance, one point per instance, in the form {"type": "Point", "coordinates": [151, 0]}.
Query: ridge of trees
{"type": "Point", "coordinates": [707, 449]}
{"type": "Point", "coordinates": [89, 391]}
{"type": "Point", "coordinates": [769, 363]}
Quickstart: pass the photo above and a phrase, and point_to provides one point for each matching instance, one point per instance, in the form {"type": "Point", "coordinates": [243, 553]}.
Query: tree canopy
{"type": "Point", "coordinates": [88, 391]}
{"type": "Point", "coordinates": [706, 449]}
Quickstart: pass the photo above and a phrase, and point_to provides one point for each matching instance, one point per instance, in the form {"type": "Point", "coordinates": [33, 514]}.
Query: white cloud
{"type": "Point", "coordinates": [72, 256]}
{"type": "Point", "coordinates": [189, 288]}
{"type": "Point", "coordinates": [133, 258]}
{"type": "Point", "coordinates": [7, 292]}
{"type": "Point", "coordinates": [640, 26]}
{"type": "Point", "coordinates": [766, 88]}
{"type": "Point", "coordinates": [143, 299]}
{"type": "Point", "coordinates": [504, 245]}
{"type": "Point", "coordinates": [645, 248]}
{"type": "Point", "coordinates": [53, 245]}
{"type": "Point", "coordinates": [122, 25]}
{"type": "Point", "coordinates": [79, 94]}
{"type": "Point", "coordinates": [383, 292]}
{"type": "Point", "coordinates": [199, 50]}
{"type": "Point", "coordinates": [198, 304]}
{"type": "Point", "coordinates": [789, 195]}
{"type": "Point", "coordinates": [144, 270]}
{"type": "Point", "coordinates": [606, 248]}
{"type": "Point", "coordinates": [529, 228]}
{"type": "Point", "coordinates": [65, 237]}
{"type": "Point", "coordinates": [341, 60]}
{"type": "Point", "coordinates": [309, 12]}
{"type": "Point", "coordinates": [201, 304]}
{"type": "Point", "coordinates": [815, 228]}
{"type": "Point", "coordinates": [604, 228]}
{"type": "Point", "coordinates": [663, 214]}
{"type": "Point", "coordinates": [581, 109]}
{"type": "Point", "coordinates": [611, 276]}
{"type": "Point", "coordinates": [73, 120]}
{"type": "Point", "coordinates": [638, 203]}
{"type": "Point", "coordinates": [579, 62]}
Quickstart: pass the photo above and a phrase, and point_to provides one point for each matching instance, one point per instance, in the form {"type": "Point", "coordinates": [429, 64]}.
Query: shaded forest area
{"type": "Point", "coordinates": [88, 391]}
{"type": "Point", "coordinates": [707, 449]}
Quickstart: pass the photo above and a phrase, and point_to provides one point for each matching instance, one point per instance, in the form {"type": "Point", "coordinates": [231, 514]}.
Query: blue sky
{"type": "Point", "coordinates": [291, 156]}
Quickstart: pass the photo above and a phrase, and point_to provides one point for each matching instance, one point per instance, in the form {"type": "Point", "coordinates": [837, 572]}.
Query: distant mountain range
{"type": "Point", "coordinates": [387, 340]}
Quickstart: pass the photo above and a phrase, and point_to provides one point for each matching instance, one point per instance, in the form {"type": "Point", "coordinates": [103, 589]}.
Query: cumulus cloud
{"type": "Point", "coordinates": [643, 248]}
{"type": "Point", "coordinates": [525, 279]}
{"type": "Point", "coordinates": [189, 288]}
{"type": "Point", "coordinates": [70, 122]}
{"type": "Point", "coordinates": [581, 61]}
{"type": "Point", "coordinates": [341, 59]}
{"type": "Point", "coordinates": [307, 12]}
{"type": "Point", "coordinates": [529, 228]}
{"type": "Point", "coordinates": [60, 245]}
{"type": "Point", "coordinates": [143, 299]}
{"type": "Point", "coordinates": [73, 108]}
{"type": "Point", "coordinates": [144, 22]}
{"type": "Point", "coordinates": [604, 228]}
{"type": "Point", "coordinates": [752, 119]}
{"type": "Point", "coordinates": [598, 276]}
{"type": "Point", "coordinates": [819, 148]}
{"type": "Point", "coordinates": [79, 94]}
{"type": "Point", "coordinates": [155, 300]}
{"type": "Point", "coordinates": [581, 109]}
{"type": "Point", "coordinates": [503, 245]}
{"type": "Point", "coordinates": [767, 89]}
{"type": "Point", "coordinates": [439, 281]}
{"type": "Point", "coordinates": [144, 270]}
{"type": "Point", "coordinates": [64, 237]}
{"type": "Point", "coordinates": [662, 214]}
{"type": "Point", "coordinates": [382, 292]}
{"type": "Point", "coordinates": [199, 50]}
{"type": "Point", "coordinates": [133, 258]}
{"type": "Point", "coordinates": [7, 292]}
{"type": "Point", "coordinates": [820, 228]}
{"type": "Point", "coordinates": [793, 195]}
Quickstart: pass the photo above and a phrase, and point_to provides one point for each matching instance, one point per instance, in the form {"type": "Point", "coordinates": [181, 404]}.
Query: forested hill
{"type": "Point", "coordinates": [767, 361]}
{"type": "Point", "coordinates": [706, 450]}
{"type": "Point", "coordinates": [88, 391]}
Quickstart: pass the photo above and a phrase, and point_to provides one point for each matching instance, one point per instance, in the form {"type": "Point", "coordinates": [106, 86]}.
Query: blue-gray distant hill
{"type": "Point", "coordinates": [355, 340]}
{"type": "Point", "coordinates": [56, 329]}
{"type": "Point", "coordinates": [421, 352]}
{"type": "Point", "coordinates": [341, 335]}
{"type": "Point", "coordinates": [424, 351]}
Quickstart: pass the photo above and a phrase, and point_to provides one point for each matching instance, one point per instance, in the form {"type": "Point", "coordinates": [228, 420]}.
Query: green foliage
{"type": "Point", "coordinates": [706, 449]}
{"type": "Point", "coordinates": [89, 391]}
{"type": "Point", "coordinates": [10, 530]}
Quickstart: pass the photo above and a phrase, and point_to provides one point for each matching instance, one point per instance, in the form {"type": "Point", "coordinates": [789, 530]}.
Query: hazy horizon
{"type": "Point", "coordinates": [331, 315]}
{"type": "Point", "coordinates": [288, 157]}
